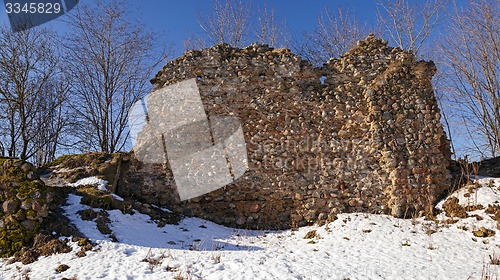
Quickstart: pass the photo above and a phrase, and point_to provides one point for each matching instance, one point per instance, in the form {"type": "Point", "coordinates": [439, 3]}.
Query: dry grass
{"type": "Point", "coordinates": [217, 257]}
{"type": "Point", "coordinates": [183, 276]}
{"type": "Point", "coordinates": [312, 234]}
{"type": "Point", "coordinates": [494, 259]}
{"type": "Point", "coordinates": [489, 272]}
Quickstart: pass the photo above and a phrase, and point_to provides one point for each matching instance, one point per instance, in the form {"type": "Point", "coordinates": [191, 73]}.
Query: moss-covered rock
{"type": "Point", "coordinates": [74, 167]}
{"type": "Point", "coordinates": [24, 205]}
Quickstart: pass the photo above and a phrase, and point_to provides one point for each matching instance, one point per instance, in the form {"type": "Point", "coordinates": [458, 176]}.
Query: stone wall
{"type": "Point", "coordinates": [24, 204]}
{"type": "Point", "coordinates": [360, 134]}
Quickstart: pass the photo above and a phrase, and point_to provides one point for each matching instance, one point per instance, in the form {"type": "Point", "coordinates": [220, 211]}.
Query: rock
{"type": "Point", "coordinates": [241, 221]}
{"type": "Point", "coordinates": [322, 216]}
{"type": "Point", "coordinates": [27, 167]}
{"type": "Point", "coordinates": [483, 232]}
{"type": "Point", "coordinates": [310, 215]}
{"type": "Point", "coordinates": [62, 268]}
{"type": "Point", "coordinates": [10, 206]}
{"type": "Point", "coordinates": [31, 176]}
{"type": "Point", "coordinates": [297, 218]}
{"type": "Point", "coordinates": [37, 206]}
{"type": "Point", "coordinates": [255, 208]}
{"type": "Point", "coordinates": [26, 205]}
{"type": "Point", "coordinates": [28, 225]}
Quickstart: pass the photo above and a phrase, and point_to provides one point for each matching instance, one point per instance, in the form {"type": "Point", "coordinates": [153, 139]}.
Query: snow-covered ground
{"type": "Point", "coordinates": [356, 246]}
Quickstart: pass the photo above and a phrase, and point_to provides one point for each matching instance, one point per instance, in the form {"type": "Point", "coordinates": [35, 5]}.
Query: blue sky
{"type": "Point", "coordinates": [175, 19]}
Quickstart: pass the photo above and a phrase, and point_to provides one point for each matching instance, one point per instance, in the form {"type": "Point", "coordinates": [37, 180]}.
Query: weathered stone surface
{"type": "Point", "coordinates": [10, 206]}
{"type": "Point", "coordinates": [360, 134]}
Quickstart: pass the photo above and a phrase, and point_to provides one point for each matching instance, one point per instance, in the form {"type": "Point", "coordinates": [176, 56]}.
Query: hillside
{"type": "Point", "coordinates": [354, 246]}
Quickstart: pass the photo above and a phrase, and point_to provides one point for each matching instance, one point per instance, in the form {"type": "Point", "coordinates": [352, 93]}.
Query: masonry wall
{"type": "Point", "coordinates": [360, 134]}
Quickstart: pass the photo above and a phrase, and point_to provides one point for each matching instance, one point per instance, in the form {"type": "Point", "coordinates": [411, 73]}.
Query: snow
{"type": "Point", "coordinates": [355, 246]}
{"type": "Point", "coordinates": [489, 193]}
{"type": "Point", "coordinates": [91, 181]}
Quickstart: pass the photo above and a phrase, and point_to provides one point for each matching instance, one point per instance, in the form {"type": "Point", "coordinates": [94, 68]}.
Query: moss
{"type": "Point", "coordinates": [13, 173]}
{"type": "Point", "coordinates": [14, 236]}
{"type": "Point", "coordinates": [87, 214]}
{"type": "Point", "coordinates": [103, 202]}
{"type": "Point", "coordinates": [59, 160]}
{"type": "Point", "coordinates": [27, 189]}
{"type": "Point", "coordinates": [20, 215]}
{"type": "Point", "coordinates": [79, 160]}
{"type": "Point", "coordinates": [13, 240]}
{"type": "Point", "coordinates": [95, 198]}
{"type": "Point", "coordinates": [30, 214]}
{"type": "Point", "coordinates": [81, 166]}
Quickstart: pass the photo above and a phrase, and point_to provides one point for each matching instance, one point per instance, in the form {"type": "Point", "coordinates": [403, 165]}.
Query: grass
{"type": "Point", "coordinates": [489, 272]}
{"type": "Point", "coordinates": [183, 276]}
{"type": "Point", "coordinates": [217, 257]}
{"type": "Point", "coordinates": [152, 261]}
{"type": "Point", "coordinates": [494, 259]}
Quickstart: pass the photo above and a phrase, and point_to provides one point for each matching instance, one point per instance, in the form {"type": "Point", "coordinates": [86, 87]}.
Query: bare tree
{"type": "Point", "coordinates": [472, 52]}
{"type": "Point", "coordinates": [194, 42]}
{"type": "Point", "coordinates": [409, 25]}
{"type": "Point", "coordinates": [229, 23]}
{"type": "Point", "coordinates": [335, 34]}
{"type": "Point", "coordinates": [31, 87]}
{"type": "Point", "coordinates": [53, 121]}
{"type": "Point", "coordinates": [110, 58]}
{"type": "Point", "coordinates": [269, 30]}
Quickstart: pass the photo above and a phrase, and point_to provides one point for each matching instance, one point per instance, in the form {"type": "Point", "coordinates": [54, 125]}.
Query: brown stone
{"type": "Point", "coordinates": [297, 218]}
{"type": "Point", "coordinates": [28, 225]}
{"type": "Point", "coordinates": [241, 221]}
{"type": "Point", "coordinates": [418, 170]}
{"type": "Point", "coordinates": [10, 206]}
{"type": "Point", "coordinates": [255, 208]}
{"type": "Point", "coordinates": [37, 206]}
{"type": "Point", "coordinates": [27, 167]}
{"type": "Point", "coordinates": [352, 202]}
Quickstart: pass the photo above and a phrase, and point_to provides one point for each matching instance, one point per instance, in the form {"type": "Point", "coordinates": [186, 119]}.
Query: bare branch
{"type": "Point", "coordinates": [228, 23]}
{"type": "Point", "coordinates": [110, 59]}
{"type": "Point", "coordinates": [473, 60]}
{"type": "Point", "coordinates": [410, 25]}
{"type": "Point", "coordinates": [31, 89]}
{"type": "Point", "coordinates": [334, 35]}
{"type": "Point", "coordinates": [269, 31]}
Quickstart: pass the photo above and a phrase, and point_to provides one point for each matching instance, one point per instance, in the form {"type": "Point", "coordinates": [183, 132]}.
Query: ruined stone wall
{"type": "Point", "coordinates": [360, 134]}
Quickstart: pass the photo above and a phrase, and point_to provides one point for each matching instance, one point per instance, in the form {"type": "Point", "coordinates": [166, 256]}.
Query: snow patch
{"type": "Point", "coordinates": [91, 181]}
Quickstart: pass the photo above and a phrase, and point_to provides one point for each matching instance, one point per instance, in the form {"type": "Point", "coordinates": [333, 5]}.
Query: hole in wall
{"type": "Point", "coordinates": [198, 78]}
{"type": "Point", "coordinates": [322, 79]}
